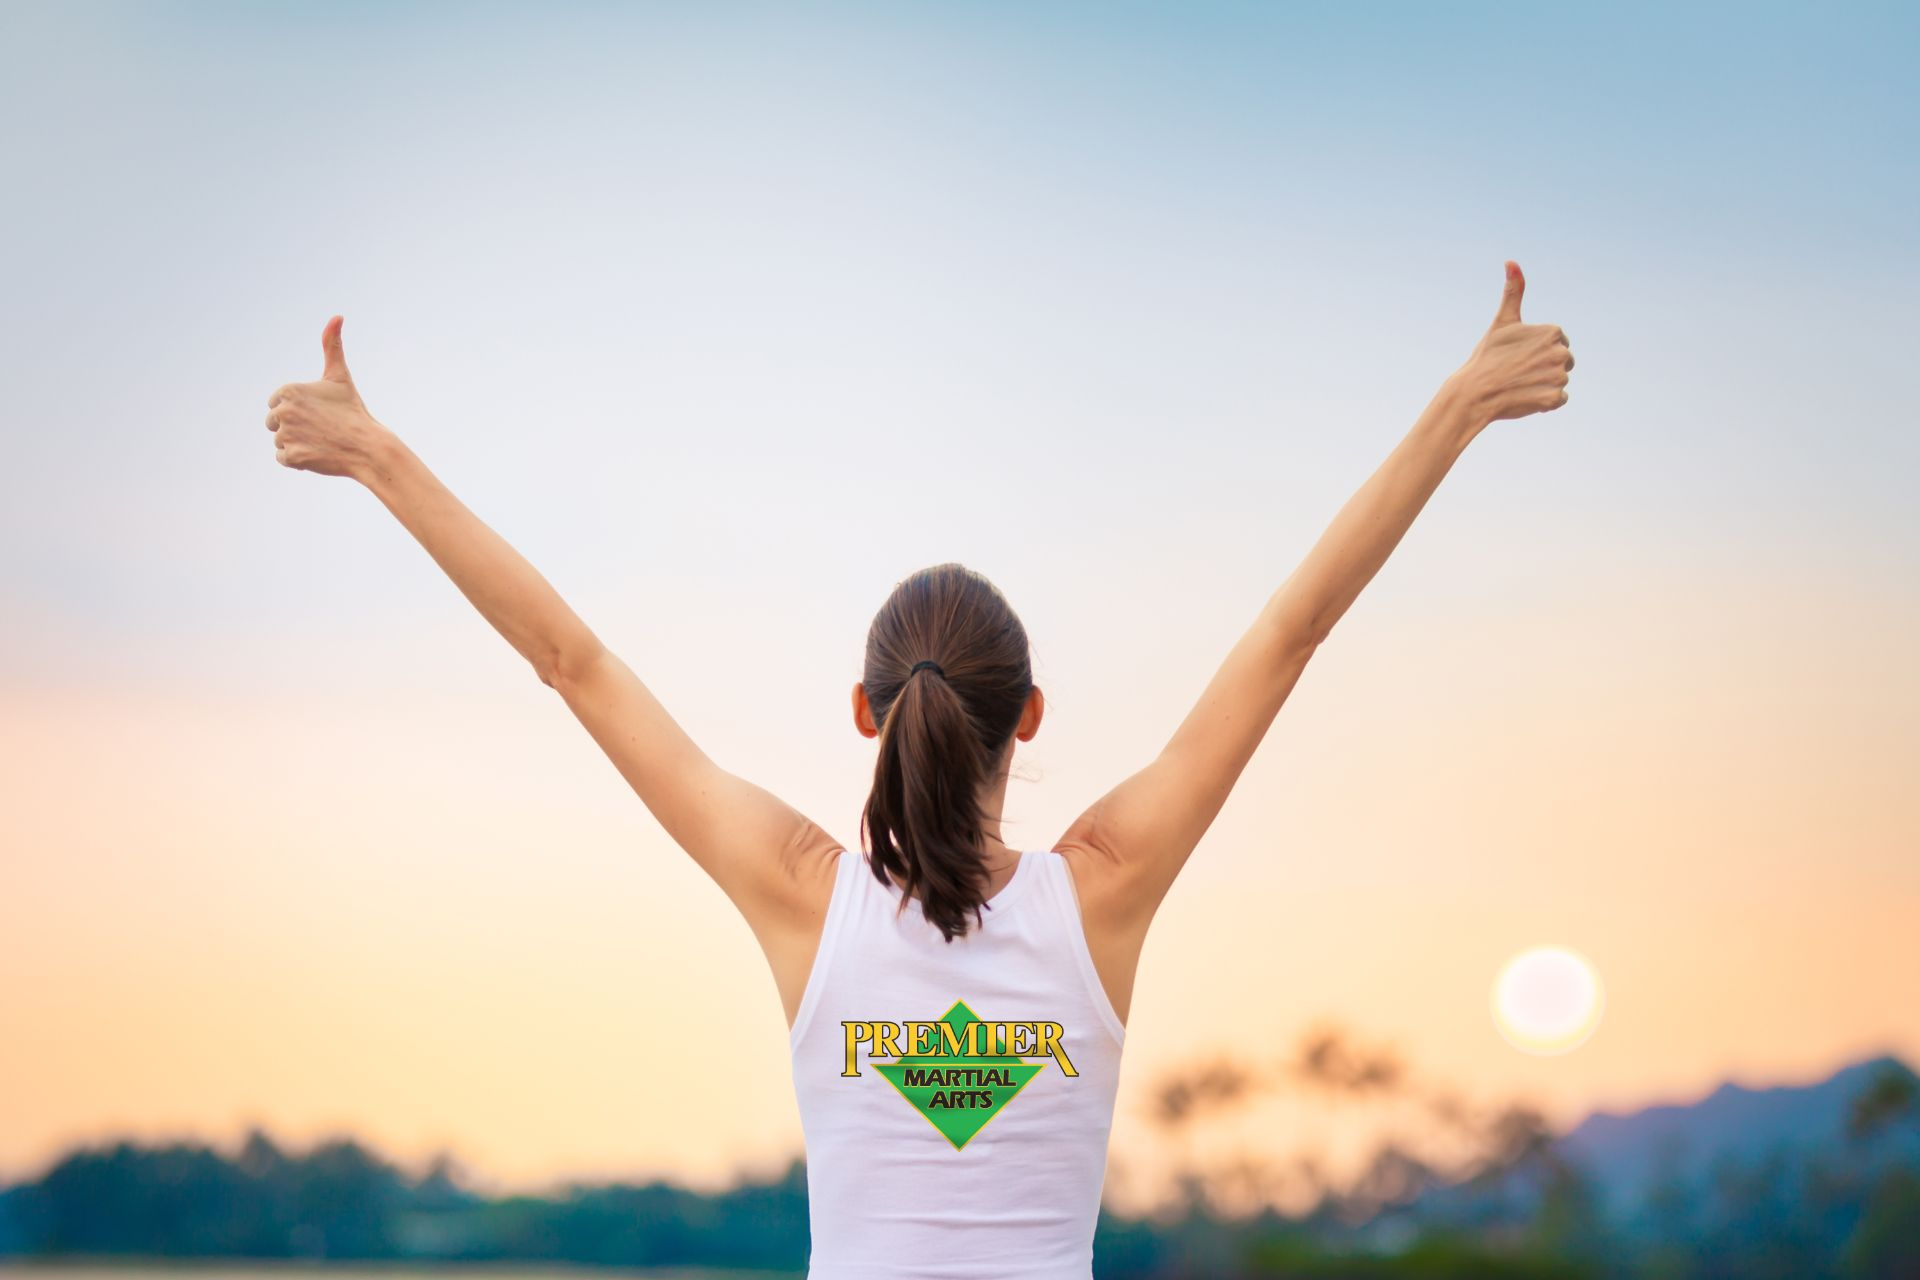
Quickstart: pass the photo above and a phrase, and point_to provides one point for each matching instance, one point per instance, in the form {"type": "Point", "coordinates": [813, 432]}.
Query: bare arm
{"type": "Point", "coordinates": [1138, 836]}
{"type": "Point", "coordinates": [751, 843]}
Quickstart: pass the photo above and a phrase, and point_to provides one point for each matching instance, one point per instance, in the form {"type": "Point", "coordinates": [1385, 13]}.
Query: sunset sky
{"type": "Point", "coordinates": [729, 317]}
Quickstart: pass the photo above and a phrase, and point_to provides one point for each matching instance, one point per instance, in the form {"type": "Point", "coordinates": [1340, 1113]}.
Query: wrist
{"type": "Point", "coordinates": [382, 460]}
{"type": "Point", "coordinates": [1456, 413]}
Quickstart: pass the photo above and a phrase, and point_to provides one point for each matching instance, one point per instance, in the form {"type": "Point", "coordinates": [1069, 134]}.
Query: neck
{"type": "Point", "coordinates": [1000, 860]}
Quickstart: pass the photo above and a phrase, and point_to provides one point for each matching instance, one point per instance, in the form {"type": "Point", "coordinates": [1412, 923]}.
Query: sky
{"type": "Point", "coordinates": [731, 316]}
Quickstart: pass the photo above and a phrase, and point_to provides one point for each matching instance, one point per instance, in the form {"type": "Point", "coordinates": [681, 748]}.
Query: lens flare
{"type": "Point", "coordinates": [1547, 1000]}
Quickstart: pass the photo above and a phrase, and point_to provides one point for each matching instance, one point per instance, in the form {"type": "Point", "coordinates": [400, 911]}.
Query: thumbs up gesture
{"type": "Point", "coordinates": [324, 426]}
{"type": "Point", "coordinates": [1518, 368]}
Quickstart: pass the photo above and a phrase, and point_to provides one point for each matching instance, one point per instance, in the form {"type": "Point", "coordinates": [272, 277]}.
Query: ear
{"type": "Point", "coordinates": [1031, 715]}
{"type": "Point", "coordinates": [863, 713]}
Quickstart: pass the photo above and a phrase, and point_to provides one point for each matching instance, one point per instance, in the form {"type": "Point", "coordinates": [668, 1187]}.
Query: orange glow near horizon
{"type": "Point", "coordinates": [430, 919]}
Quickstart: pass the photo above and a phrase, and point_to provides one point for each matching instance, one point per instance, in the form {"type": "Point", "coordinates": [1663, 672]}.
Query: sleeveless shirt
{"type": "Point", "coordinates": [956, 1098]}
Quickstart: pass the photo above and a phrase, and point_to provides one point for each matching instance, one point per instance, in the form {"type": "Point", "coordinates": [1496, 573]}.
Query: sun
{"type": "Point", "coordinates": [1547, 1000]}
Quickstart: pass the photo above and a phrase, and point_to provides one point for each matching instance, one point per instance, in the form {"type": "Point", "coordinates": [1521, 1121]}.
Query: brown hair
{"type": "Point", "coordinates": [941, 731]}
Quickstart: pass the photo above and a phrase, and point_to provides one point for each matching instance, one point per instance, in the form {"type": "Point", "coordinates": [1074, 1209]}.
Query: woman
{"type": "Point", "coordinates": [956, 1007]}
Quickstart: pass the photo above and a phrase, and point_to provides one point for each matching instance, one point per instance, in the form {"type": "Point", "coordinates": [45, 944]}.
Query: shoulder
{"type": "Point", "coordinates": [1101, 884]}
{"type": "Point", "coordinates": [792, 908]}
{"type": "Point", "coordinates": [792, 884]}
{"type": "Point", "coordinates": [809, 865]}
{"type": "Point", "coordinates": [1118, 897]}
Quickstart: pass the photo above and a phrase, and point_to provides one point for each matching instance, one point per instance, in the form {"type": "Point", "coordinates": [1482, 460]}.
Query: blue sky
{"type": "Point", "coordinates": [1212, 256]}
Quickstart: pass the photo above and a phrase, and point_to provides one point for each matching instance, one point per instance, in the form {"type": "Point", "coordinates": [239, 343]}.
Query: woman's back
{"type": "Point", "coordinates": [956, 1097]}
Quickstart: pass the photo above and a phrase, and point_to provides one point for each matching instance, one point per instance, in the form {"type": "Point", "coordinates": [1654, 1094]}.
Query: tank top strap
{"type": "Point", "coordinates": [1055, 879]}
{"type": "Point", "coordinates": [852, 886]}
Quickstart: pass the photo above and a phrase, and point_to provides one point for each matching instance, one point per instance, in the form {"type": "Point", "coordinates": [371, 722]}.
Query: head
{"type": "Point", "coordinates": [946, 736]}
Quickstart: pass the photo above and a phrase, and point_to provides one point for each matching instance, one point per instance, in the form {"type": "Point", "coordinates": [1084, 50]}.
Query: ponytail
{"type": "Point", "coordinates": [947, 677]}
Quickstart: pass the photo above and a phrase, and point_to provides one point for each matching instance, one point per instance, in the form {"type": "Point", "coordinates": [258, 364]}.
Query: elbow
{"type": "Point", "coordinates": [1316, 634]}
{"type": "Point", "coordinates": [559, 668]}
{"type": "Point", "coordinates": [1301, 651]}
{"type": "Point", "coordinates": [1293, 647]}
{"type": "Point", "coordinates": [1294, 640]}
{"type": "Point", "coordinates": [1295, 630]}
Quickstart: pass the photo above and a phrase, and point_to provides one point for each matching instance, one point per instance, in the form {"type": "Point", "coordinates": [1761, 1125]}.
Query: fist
{"type": "Point", "coordinates": [1517, 368]}
{"type": "Point", "coordinates": [323, 426]}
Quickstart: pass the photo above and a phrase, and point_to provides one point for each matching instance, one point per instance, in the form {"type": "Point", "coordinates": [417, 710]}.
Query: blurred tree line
{"type": "Point", "coordinates": [1509, 1207]}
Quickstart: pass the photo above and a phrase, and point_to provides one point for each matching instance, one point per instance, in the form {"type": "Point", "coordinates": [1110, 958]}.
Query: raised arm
{"type": "Point", "coordinates": [767, 857]}
{"type": "Point", "coordinates": [1132, 843]}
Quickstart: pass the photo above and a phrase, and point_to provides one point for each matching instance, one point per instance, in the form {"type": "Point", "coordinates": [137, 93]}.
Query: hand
{"type": "Point", "coordinates": [323, 426]}
{"type": "Point", "coordinates": [1517, 369]}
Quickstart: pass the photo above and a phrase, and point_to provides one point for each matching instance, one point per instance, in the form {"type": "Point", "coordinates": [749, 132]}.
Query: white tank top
{"type": "Point", "coordinates": [967, 1150]}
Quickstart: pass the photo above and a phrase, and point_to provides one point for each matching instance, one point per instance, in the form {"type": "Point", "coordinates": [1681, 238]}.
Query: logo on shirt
{"type": "Point", "coordinates": [958, 1072]}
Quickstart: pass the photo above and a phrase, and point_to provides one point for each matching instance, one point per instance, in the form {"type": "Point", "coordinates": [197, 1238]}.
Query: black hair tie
{"type": "Point", "coordinates": [926, 662]}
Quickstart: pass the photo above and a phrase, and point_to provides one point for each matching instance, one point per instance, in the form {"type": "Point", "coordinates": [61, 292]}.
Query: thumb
{"type": "Point", "coordinates": [1509, 312]}
{"type": "Point", "coordinates": [336, 370]}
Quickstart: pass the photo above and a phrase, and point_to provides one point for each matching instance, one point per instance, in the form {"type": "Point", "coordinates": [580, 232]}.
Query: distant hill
{"type": "Point", "coordinates": [1630, 1156]}
{"type": "Point", "coordinates": [1808, 1180]}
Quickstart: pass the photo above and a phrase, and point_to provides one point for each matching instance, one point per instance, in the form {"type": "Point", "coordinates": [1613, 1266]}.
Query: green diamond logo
{"type": "Point", "coordinates": [958, 1095]}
